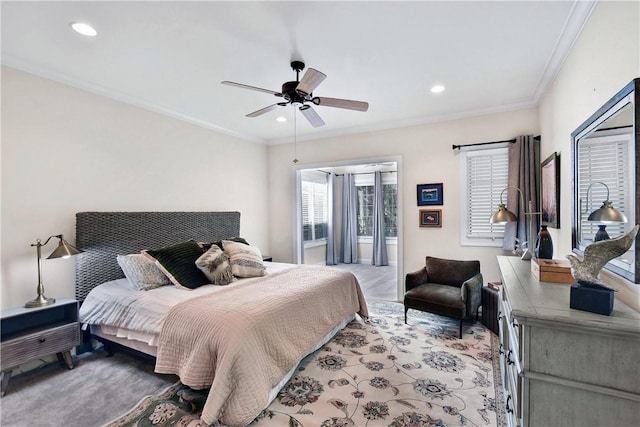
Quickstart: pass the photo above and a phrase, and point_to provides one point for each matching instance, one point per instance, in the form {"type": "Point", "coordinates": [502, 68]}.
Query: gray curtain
{"type": "Point", "coordinates": [379, 257]}
{"type": "Point", "coordinates": [524, 173]}
{"type": "Point", "coordinates": [331, 241]}
{"type": "Point", "coordinates": [349, 235]}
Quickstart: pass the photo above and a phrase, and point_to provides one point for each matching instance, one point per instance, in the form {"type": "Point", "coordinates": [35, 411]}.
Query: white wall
{"type": "Point", "coordinates": [603, 60]}
{"type": "Point", "coordinates": [427, 157]}
{"type": "Point", "coordinates": [66, 150]}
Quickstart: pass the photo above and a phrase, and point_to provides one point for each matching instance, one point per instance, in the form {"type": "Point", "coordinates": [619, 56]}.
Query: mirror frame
{"type": "Point", "coordinates": [602, 114]}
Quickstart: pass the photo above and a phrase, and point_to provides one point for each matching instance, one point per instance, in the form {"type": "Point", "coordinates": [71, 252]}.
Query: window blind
{"type": "Point", "coordinates": [603, 160]}
{"type": "Point", "coordinates": [485, 175]}
{"type": "Point", "coordinates": [314, 210]}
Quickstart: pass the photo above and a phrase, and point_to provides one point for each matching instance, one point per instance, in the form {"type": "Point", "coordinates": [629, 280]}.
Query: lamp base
{"type": "Point", "coordinates": [40, 301]}
{"type": "Point", "coordinates": [526, 255]}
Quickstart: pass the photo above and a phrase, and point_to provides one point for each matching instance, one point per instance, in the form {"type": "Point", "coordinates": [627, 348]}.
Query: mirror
{"type": "Point", "coordinates": [604, 155]}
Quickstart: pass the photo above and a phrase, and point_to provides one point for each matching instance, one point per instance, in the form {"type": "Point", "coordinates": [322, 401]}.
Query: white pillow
{"type": "Point", "coordinates": [142, 273]}
{"type": "Point", "coordinates": [245, 260]}
{"type": "Point", "coordinates": [215, 265]}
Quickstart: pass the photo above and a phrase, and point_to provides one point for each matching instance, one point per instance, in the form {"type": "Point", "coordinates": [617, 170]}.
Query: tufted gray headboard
{"type": "Point", "coordinates": [103, 235]}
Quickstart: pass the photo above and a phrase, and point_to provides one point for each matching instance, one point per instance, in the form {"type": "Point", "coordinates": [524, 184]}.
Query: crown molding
{"type": "Point", "coordinates": [577, 19]}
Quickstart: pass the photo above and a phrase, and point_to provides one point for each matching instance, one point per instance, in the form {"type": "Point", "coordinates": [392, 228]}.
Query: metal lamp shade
{"type": "Point", "coordinates": [64, 250]}
{"type": "Point", "coordinates": [502, 215]}
{"type": "Point", "coordinates": [607, 214]}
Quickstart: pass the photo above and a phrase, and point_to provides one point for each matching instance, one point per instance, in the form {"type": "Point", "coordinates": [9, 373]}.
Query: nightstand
{"type": "Point", "coordinates": [31, 333]}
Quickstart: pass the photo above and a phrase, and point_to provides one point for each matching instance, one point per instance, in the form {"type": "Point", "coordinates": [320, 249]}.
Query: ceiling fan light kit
{"type": "Point", "coordinates": [300, 92]}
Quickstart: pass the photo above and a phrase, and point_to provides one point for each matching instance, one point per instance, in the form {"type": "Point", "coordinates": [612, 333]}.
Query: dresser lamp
{"type": "Point", "coordinates": [504, 215]}
{"type": "Point", "coordinates": [607, 214]}
{"type": "Point", "coordinates": [64, 250]}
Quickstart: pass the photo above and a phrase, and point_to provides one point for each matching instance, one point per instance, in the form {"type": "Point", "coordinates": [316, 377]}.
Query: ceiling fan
{"type": "Point", "coordinates": [301, 92]}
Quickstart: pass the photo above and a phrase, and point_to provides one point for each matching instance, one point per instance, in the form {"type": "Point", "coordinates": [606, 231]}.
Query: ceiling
{"type": "Point", "coordinates": [171, 57]}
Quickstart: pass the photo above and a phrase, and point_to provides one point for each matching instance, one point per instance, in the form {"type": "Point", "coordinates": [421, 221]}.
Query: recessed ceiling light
{"type": "Point", "coordinates": [84, 29]}
{"type": "Point", "coordinates": [281, 119]}
{"type": "Point", "coordinates": [437, 89]}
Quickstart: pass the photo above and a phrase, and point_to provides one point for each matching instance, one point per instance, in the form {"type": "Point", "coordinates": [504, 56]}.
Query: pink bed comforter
{"type": "Point", "coordinates": [241, 342]}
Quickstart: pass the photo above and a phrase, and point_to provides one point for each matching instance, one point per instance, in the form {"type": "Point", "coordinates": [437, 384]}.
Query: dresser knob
{"type": "Point", "coordinates": [41, 340]}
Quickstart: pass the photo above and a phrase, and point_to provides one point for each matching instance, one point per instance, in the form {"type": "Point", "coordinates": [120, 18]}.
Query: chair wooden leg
{"type": "Point", "coordinates": [460, 328]}
{"type": "Point", "coordinates": [405, 314]}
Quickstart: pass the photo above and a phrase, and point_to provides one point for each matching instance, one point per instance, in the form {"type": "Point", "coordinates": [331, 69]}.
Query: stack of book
{"type": "Point", "coordinates": [494, 285]}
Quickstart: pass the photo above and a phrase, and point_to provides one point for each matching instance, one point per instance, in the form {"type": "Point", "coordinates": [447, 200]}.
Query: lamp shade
{"type": "Point", "coordinates": [502, 215]}
{"type": "Point", "coordinates": [64, 250]}
{"type": "Point", "coordinates": [607, 214]}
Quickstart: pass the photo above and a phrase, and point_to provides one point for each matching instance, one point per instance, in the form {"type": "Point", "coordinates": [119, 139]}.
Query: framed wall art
{"type": "Point", "coordinates": [429, 194]}
{"type": "Point", "coordinates": [550, 184]}
{"type": "Point", "coordinates": [430, 217]}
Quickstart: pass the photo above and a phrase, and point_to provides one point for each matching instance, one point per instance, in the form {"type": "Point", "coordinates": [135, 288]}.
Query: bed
{"type": "Point", "coordinates": [243, 340]}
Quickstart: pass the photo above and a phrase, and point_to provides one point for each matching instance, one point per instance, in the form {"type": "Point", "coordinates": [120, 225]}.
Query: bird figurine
{"type": "Point", "coordinates": [596, 255]}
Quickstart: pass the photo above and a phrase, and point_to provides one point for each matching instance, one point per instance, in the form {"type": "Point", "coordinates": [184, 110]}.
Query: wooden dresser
{"type": "Point", "coordinates": [565, 367]}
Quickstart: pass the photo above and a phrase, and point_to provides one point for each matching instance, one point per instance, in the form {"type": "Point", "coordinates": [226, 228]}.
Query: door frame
{"type": "Point", "coordinates": [298, 243]}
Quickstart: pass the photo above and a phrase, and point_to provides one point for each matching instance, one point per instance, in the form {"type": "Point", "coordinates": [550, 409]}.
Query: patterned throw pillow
{"type": "Point", "coordinates": [142, 273]}
{"type": "Point", "coordinates": [245, 260]}
{"type": "Point", "coordinates": [178, 262]}
{"type": "Point", "coordinates": [215, 265]}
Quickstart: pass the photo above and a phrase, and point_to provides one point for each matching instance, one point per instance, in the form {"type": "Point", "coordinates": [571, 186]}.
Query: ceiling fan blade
{"type": "Point", "coordinates": [341, 103]}
{"type": "Point", "coordinates": [259, 89]}
{"type": "Point", "coordinates": [311, 115]}
{"type": "Point", "coordinates": [311, 79]}
{"type": "Point", "coordinates": [262, 111]}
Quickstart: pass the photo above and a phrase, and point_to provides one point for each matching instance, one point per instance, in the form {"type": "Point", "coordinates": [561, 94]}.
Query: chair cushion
{"type": "Point", "coordinates": [450, 272]}
{"type": "Point", "coordinates": [435, 298]}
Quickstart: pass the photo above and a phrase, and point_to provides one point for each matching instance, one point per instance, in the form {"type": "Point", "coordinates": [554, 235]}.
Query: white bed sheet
{"type": "Point", "coordinates": [127, 313]}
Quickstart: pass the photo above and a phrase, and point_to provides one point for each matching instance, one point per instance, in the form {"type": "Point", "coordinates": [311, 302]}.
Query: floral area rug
{"type": "Point", "coordinates": [378, 372]}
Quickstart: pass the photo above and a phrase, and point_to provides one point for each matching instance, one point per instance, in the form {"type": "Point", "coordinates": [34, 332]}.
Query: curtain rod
{"type": "Point", "coordinates": [366, 173]}
{"type": "Point", "coordinates": [510, 141]}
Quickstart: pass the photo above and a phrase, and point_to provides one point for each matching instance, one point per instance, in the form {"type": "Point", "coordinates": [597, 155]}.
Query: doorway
{"type": "Point", "coordinates": [319, 221]}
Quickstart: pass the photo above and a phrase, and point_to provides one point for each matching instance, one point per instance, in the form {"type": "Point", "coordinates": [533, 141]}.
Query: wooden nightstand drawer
{"type": "Point", "coordinates": [39, 344]}
{"type": "Point", "coordinates": [31, 333]}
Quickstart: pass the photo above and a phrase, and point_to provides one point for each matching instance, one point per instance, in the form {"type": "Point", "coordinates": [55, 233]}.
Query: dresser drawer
{"type": "Point", "coordinates": [39, 344]}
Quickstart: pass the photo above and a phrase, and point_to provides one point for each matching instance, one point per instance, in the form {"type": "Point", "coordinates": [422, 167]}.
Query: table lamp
{"type": "Point", "coordinates": [64, 250]}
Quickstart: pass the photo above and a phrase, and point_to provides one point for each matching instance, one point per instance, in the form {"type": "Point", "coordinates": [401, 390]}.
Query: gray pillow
{"type": "Point", "coordinates": [215, 265]}
{"type": "Point", "coordinates": [142, 273]}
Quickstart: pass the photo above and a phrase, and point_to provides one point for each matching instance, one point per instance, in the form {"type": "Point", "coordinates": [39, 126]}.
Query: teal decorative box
{"type": "Point", "coordinates": [593, 298]}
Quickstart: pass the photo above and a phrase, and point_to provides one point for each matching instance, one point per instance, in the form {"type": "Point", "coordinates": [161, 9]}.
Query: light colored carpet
{"type": "Point", "coordinates": [98, 389]}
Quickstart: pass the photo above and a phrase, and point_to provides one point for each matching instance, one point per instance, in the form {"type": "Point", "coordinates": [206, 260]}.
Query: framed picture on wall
{"type": "Point", "coordinates": [430, 217]}
{"type": "Point", "coordinates": [550, 184]}
{"type": "Point", "coordinates": [429, 194]}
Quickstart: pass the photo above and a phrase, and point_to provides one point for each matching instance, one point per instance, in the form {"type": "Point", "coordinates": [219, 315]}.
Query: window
{"type": "Point", "coordinates": [314, 208]}
{"type": "Point", "coordinates": [364, 206]}
{"type": "Point", "coordinates": [604, 159]}
{"type": "Point", "coordinates": [484, 175]}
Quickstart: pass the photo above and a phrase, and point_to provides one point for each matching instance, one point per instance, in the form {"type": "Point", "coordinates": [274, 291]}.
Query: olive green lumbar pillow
{"type": "Point", "coordinates": [215, 265]}
{"type": "Point", "coordinates": [178, 262]}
